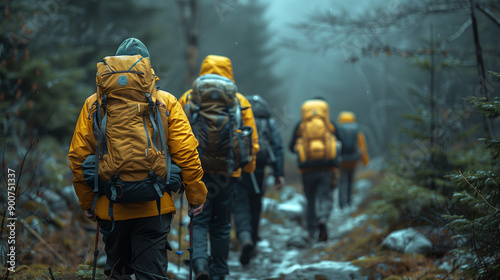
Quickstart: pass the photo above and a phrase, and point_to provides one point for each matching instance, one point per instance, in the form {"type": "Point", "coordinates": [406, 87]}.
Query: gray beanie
{"type": "Point", "coordinates": [133, 46]}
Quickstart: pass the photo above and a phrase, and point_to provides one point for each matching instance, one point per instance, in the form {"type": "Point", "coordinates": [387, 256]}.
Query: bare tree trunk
{"type": "Point", "coordinates": [433, 116]}
{"type": "Point", "coordinates": [480, 66]}
{"type": "Point", "coordinates": [189, 22]}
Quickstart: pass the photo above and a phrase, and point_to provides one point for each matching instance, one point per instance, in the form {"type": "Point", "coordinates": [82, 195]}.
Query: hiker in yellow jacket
{"type": "Point", "coordinates": [136, 240]}
{"type": "Point", "coordinates": [209, 120]}
{"type": "Point", "coordinates": [354, 150]}
{"type": "Point", "coordinates": [316, 146]}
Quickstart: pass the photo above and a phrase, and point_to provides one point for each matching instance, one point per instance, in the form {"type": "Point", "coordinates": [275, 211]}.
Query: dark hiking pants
{"type": "Point", "coordinates": [345, 188]}
{"type": "Point", "coordinates": [215, 221]}
{"type": "Point", "coordinates": [248, 205]}
{"type": "Point", "coordinates": [137, 246]}
{"type": "Point", "coordinates": [318, 188]}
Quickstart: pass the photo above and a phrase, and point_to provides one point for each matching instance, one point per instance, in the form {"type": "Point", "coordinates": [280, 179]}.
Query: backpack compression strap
{"type": "Point", "coordinates": [168, 160]}
{"type": "Point", "coordinates": [152, 119]}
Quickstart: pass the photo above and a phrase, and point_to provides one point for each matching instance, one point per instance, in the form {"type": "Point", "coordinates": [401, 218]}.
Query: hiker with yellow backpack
{"type": "Point", "coordinates": [223, 122]}
{"type": "Point", "coordinates": [132, 147]}
{"type": "Point", "coordinates": [318, 151]}
{"type": "Point", "coordinates": [354, 150]}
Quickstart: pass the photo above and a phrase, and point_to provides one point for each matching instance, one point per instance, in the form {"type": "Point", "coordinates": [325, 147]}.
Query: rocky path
{"type": "Point", "coordinates": [284, 250]}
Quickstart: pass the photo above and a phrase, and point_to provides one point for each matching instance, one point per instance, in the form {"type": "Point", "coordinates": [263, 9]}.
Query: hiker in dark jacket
{"type": "Point", "coordinates": [136, 240]}
{"type": "Point", "coordinates": [248, 204]}
{"type": "Point", "coordinates": [316, 133]}
{"type": "Point", "coordinates": [354, 150]}
{"type": "Point", "coordinates": [215, 220]}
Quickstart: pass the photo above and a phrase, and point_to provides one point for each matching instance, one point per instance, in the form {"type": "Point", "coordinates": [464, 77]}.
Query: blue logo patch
{"type": "Point", "coordinates": [122, 80]}
{"type": "Point", "coordinates": [214, 94]}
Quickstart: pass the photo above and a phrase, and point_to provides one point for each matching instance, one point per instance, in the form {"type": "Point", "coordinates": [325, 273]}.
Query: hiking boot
{"type": "Point", "coordinates": [246, 252]}
{"type": "Point", "coordinates": [202, 275]}
{"type": "Point", "coordinates": [323, 234]}
{"type": "Point", "coordinates": [200, 267]}
{"type": "Point", "coordinates": [247, 246]}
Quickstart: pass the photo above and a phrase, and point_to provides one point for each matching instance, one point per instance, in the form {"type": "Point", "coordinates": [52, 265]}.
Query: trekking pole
{"type": "Point", "coordinates": [96, 250]}
{"type": "Point", "coordinates": [254, 183]}
{"type": "Point", "coordinates": [190, 249]}
{"type": "Point", "coordinates": [179, 252]}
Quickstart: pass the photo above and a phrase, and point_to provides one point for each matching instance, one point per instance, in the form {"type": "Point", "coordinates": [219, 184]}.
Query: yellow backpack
{"type": "Point", "coordinates": [131, 157]}
{"type": "Point", "coordinates": [316, 144]}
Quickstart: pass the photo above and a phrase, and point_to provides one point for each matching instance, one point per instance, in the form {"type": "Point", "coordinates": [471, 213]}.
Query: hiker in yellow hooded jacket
{"type": "Point", "coordinates": [216, 217]}
{"type": "Point", "coordinates": [354, 150]}
{"type": "Point", "coordinates": [136, 241]}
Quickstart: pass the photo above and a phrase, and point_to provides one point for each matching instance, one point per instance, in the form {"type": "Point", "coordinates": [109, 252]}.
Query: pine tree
{"type": "Point", "coordinates": [476, 219]}
{"type": "Point", "coordinates": [431, 136]}
{"type": "Point", "coordinates": [39, 70]}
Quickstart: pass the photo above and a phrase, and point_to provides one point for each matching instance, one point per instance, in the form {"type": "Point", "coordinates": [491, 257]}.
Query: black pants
{"type": "Point", "coordinates": [248, 205]}
{"type": "Point", "coordinates": [215, 221]}
{"type": "Point", "coordinates": [137, 246]}
{"type": "Point", "coordinates": [345, 189]}
{"type": "Point", "coordinates": [318, 188]}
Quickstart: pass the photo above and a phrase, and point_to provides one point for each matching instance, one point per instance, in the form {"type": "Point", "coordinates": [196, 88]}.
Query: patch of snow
{"type": "Point", "coordinates": [349, 224]}
{"type": "Point", "coordinates": [408, 241]}
{"type": "Point", "coordinates": [269, 204]}
{"type": "Point", "coordinates": [181, 272]}
{"type": "Point", "coordinates": [327, 269]}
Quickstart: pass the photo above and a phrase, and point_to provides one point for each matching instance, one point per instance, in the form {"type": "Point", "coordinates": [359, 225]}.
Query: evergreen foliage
{"type": "Point", "coordinates": [432, 134]}
{"type": "Point", "coordinates": [38, 69]}
{"type": "Point", "coordinates": [398, 210]}
{"type": "Point", "coordinates": [476, 219]}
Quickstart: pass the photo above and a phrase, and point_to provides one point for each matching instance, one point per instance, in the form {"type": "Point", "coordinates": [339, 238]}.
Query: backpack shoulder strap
{"type": "Point", "coordinates": [168, 160]}
{"type": "Point", "coordinates": [96, 120]}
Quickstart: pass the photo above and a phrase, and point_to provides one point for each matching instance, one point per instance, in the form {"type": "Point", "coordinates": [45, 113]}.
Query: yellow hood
{"type": "Point", "coordinates": [346, 117]}
{"type": "Point", "coordinates": [216, 64]}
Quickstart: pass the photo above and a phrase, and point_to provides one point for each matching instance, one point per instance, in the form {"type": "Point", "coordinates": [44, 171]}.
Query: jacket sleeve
{"type": "Point", "coordinates": [363, 148]}
{"type": "Point", "coordinates": [183, 149]}
{"type": "Point", "coordinates": [294, 137]}
{"type": "Point", "coordinates": [277, 146]}
{"type": "Point", "coordinates": [333, 128]}
{"type": "Point", "coordinates": [82, 145]}
{"type": "Point", "coordinates": [248, 120]}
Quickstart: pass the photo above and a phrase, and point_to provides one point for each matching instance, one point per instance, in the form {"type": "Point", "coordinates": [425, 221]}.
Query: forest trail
{"type": "Point", "coordinates": [277, 257]}
{"type": "Point", "coordinates": [284, 249]}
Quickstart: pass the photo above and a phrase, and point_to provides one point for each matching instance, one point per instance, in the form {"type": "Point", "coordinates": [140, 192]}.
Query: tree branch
{"type": "Point", "coordinates": [489, 14]}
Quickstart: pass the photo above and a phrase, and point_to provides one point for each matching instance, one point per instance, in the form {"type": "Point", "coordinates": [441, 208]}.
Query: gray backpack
{"type": "Point", "coordinates": [348, 135]}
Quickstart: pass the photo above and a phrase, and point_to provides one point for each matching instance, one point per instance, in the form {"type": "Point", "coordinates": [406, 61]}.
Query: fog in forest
{"type": "Point", "coordinates": [421, 77]}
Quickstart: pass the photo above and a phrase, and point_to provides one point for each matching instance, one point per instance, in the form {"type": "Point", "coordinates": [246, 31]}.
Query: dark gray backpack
{"type": "Point", "coordinates": [348, 135]}
{"type": "Point", "coordinates": [262, 115]}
